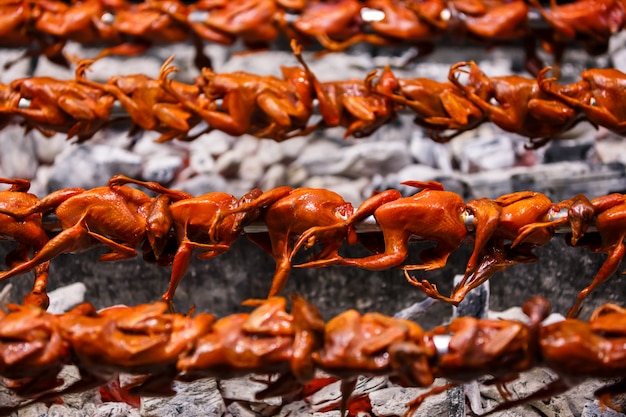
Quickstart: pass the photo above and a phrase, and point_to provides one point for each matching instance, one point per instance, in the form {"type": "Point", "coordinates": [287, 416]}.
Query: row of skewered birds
{"type": "Point", "coordinates": [130, 28]}
{"type": "Point", "coordinates": [158, 347]}
{"type": "Point", "coordinates": [172, 224]}
{"type": "Point", "coordinates": [280, 108]}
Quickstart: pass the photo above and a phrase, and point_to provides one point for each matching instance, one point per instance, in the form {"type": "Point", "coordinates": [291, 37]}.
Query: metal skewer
{"type": "Point", "coordinates": [369, 224]}
{"type": "Point", "coordinates": [371, 15]}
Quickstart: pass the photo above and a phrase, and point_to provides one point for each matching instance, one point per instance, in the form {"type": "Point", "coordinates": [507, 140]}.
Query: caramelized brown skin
{"type": "Point", "coordinates": [374, 344]}
{"type": "Point", "coordinates": [353, 103]}
{"type": "Point", "coordinates": [500, 348]}
{"type": "Point", "coordinates": [204, 31]}
{"type": "Point", "coordinates": [159, 347]}
{"type": "Point", "coordinates": [155, 21]}
{"type": "Point", "coordinates": [492, 20]}
{"type": "Point", "coordinates": [292, 5]}
{"type": "Point", "coordinates": [215, 352]}
{"type": "Point", "coordinates": [342, 227]}
{"type": "Point", "coordinates": [336, 24]}
{"type": "Point", "coordinates": [60, 106]}
{"type": "Point", "coordinates": [14, 23]}
{"type": "Point", "coordinates": [27, 232]}
{"type": "Point", "coordinates": [431, 214]}
{"type": "Point", "coordinates": [520, 105]}
{"type": "Point", "coordinates": [497, 222]}
{"type": "Point", "coordinates": [264, 106]}
{"type": "Point", "coordinates": [438, 106]}
{"type": "Point", "coordinates": [592, 22]}
{"type": "Point", "coordinates": [142, 340]}
{"type": "Point", "coordinates": [599, 344]}
{"type": "Point", "coordinates": [401, 23]}
{"type": "Point", "coordinates": [331, 22]}
{"type": "Point", "coordinates": [489, 21]}
{"type": "Point", "coordinates": [10, 99]}
{"type": "Point", "coordinates": [155, 347]}
{"type": "Point", "coordinates": [252, 21]}
{"type": "Point", "coordinates": [267, 340]}
{"type": "Point", "coordinates": [149, 105]}
{"type": "Point", "coordinates": [280, 108]}
{"type": "Point", "coordinates": [80, 22]}
{"type": "Point", "coordinates": [288, 213]}
{"type": "Point", "coordinates": [580, 213]}
{"type": "Point", "coordinates": [577, 350]}
{"type": "Point", "coordinates": [194, 220]}
{"type": "Point", "coordinates": [598, 96]}
{"type": "Point", "coordinates": [611, 231]}
{"type": "Point", "coordinates": [121, 218]}
{"type": "Point", "coordinates": [610, 222]}
{"type": "Point", "coordinates": [504, 347]}
{"type": "Point", "coordinates": [16, 31]}
{"type": "Point", "coordinates": [32, 351]}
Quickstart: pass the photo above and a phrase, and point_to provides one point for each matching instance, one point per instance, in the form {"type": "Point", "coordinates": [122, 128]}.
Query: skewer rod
{"type": "Point", "coordinates": [369, 225]}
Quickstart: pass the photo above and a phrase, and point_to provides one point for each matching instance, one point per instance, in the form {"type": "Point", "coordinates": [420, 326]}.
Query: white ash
{"type": "Point", "coordinates": [194, 399]}
{"type": "Point", "coordinates": [430, 154]}
{"type": "Point", "coordinates": [609, 147]}
{"type": "Point", "coordinates": [570, 403]}
{"type": "Point", "coordinates": [144, 144]}
{"type": "Point", "coordinates": [5, 293]}
{"type": "Point", "coordinates": [81, 404]}
{"type": "Point", "coordinates": [18, 158]}
{"type": "Point", "coordinates": [484, 149]}
{"type": "Point", "coordinates": [65, 298]}
{"type": "Point", "coordinates": [593, 409]}
{"type": "Point", "coordinates": [274, 176]}
{"type": "Point", "coordinates": [19, 68]}
{"type": "Point", "coordinates": [85, 165]}
{"type": "Point", "coordinates": [393, 401]}
{"type": "Point", "coordinates": [47, 148]}
{"type": "Point", "coordinates": [204, 150]}
{"type": "Point", "coordinates": [318, 151]}
{"type": "Point", "coordinates": [202, 162]}
{"type": "Point", "coordinates": [239, 409]}
{"type": "Point", "coordinates": [245, 389]}
{"type": "Point", "coordinates": [33, 410]}
{"type": "Point", "coordinates": [251, 169]}
{"type": "Point", "coordinates": [410, 172]}
{"type": "Point", "coordinates": [331, 394]}
{"type": "Point", "coordinates": [202, 184]}
{"type": "Point", "coordinates": [161, 168]}
{"type": "Point", "coordinates": [204, 398]}
{"type": "Point", "coordinates": [350, 190]}
{"type": "Point", "coordinates": [472, 395]}
{"type": "Point", "coordinates": [360, 159]}
{"type": "Point", "coordinates": [415, 311]}
{"type": "Point", "coordinates": [269, 152]}
{"type": "Point", "coordinates": [294, 408]}
{"type": "Point", "coordinates": [516, 313]}
{"type": "Point", "coordinates": [111, 409]}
